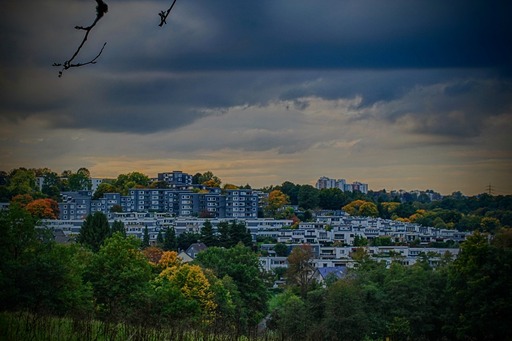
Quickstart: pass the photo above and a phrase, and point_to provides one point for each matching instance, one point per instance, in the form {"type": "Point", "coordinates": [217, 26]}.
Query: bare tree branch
{"type": "Point", "coordinates": [164, 14]}
{"type": "Point", "coordinates": [101, 9]}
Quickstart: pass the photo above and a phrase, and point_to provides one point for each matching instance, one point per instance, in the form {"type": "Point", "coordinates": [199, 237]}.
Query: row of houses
{"type": "Point", "coordinates": [331, 237]}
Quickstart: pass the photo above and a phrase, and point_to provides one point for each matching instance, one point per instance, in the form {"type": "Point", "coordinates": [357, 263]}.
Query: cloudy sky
{"type": "Point", "coordinates": [400, 94]}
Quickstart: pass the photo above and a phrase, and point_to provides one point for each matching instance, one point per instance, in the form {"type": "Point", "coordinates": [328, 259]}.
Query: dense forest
{"type": "Point", "coordinates": [112, 286]}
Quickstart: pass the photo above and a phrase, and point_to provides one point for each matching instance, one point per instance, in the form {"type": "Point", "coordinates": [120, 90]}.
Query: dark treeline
{"type": "Point", "coordinates": [113, 279]}
{"type": "Point", "coordinates": [483, 212]}
{"type": "Point", "coordinates": [465, 299]}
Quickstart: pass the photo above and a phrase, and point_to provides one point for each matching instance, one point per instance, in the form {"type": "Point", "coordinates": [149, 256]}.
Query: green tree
{"type": "Point", "coordinates": [160, 239]}
{"type": "Point", "coordinates": [209, 179]}
{"type": "Point", "coordinates": [32, 267]}
{"type": "Point", "coordinates": [95, 229]}
{"type": "Point", "coordinates": [120, 276]}
{"type": "Point", "coordinates": [118, 226]}
{"type": "Point", "coordinates": [480, 300]}
{"type": "Point", "coordinates": [207, 234]}
{"type": "Point", "coordinates": [345, 311]}
{"type": "Point", "coordinates": [81, 180]}
{"type": "Point", "coordinates": [360, 241]}
{"type": "Point", "coordinates": [186, 239]}
{"type": "Point", "coordinates": [170, 243]}
{"type": "Point", "coordinates": [489, 224]}
{"type": "Point", "coordinates": [292, 191]}
{"type": "Point", "coordinates": [21, 181]}
{"type": "Point", "coordinates": [242, 266]}
{"type": "Point", "coordinates": [332, 198]}
{"type": "Point", "coordinates": [145, 238]}
{"type": "Point", "coordinates": [125, 182]}
{"type": "Point", "coordinates": [281, 250]}
{"type": "Point", "coordinates": [308, 197]}
{"type": "Point", "coordinates": [289, 316]}
{"type": "Point", "coordinates": [51, 185]}
{"type": "Point", "coordinates": [103, 188]}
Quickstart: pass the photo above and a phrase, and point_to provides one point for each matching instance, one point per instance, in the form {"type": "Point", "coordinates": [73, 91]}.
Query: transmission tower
{"type": "Point", "coordinates": [490, 189]}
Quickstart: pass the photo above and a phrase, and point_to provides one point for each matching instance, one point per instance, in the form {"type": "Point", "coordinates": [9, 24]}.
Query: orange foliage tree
{"type": "Point", "coordinates": [43, 209]}
{"type": "Point", "coordinates": [22, 200]}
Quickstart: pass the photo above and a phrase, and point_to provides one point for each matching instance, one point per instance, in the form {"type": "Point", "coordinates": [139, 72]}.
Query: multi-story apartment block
{"type": "Point", "coordinates": [326, 183]}
{"type": "Point", "coordinates": [176, 179]}
{"type": "Point", "coordinates": [75, 205]}
{"type": "Point", "coordinates": [235, 204]}
{"type": "Point", "coordinates": [241, 203]}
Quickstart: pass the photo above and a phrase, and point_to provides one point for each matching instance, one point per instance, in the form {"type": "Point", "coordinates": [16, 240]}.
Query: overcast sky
{"type": "Point", "coordinates": [399, 94]}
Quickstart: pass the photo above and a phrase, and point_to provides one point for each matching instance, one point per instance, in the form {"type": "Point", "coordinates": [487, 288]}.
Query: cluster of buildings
{"type": "Point", "coordinates": [356, 186]}
{"type": "Point", "coordinates": [332, 237]}
{"type": "Point", "coordinates": [185, 207]}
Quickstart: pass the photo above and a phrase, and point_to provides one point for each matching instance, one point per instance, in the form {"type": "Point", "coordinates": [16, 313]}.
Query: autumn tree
{"type": "Point", "coordinates": [229, 186]}
{"type": "Point", "coordinates": [95, 229]}
{"type": "Point", "coordinates": [194, 286]}
{"type": "Point", "coordinates": [301, 268]}
{"type": "Point", "coordinates": [153, 254]}
{"type": "Point", "coordinates": [276, 200]}
{"type": "Point", "coordinates": [361, 208]}
{"type": "Point", "coordinates": [22, 200]}
{"type": "Point", "coordinates": [44, 209]}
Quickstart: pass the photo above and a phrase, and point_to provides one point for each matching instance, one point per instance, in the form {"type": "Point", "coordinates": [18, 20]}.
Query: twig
{"type": "Point", "coordinates": [101, 9]}
{"type": "Point", "coordinates": [164, 14]}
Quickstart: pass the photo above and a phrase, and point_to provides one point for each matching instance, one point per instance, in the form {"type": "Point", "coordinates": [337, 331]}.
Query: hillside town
{"type": "Point", "coordinates": [185, 207]}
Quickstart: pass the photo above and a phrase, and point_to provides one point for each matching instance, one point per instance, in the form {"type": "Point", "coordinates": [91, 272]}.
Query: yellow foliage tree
{"type": "Point", "coordinates": [275, 201]}
{"type": "Point", "coordinates": [361, 208]}
{"type": "Point", "coordinates": [390, 206]}
{"type": "Point", "coordinates": [418, 214]}
{"type": "Point", "coordinates": [169, 259]}
{"type": "Point", "coordinates": [193, 284]}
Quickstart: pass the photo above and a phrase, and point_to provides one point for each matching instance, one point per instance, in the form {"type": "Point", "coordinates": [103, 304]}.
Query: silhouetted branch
{"type": "Point", "coordinates": [101, 9]}
{"type": "Point", "coordinates": [164, 14]}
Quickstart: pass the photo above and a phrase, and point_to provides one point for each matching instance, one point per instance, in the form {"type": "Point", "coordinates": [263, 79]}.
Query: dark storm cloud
{"type": "Point", "coordinates": [458, 109]}
{"type": "Point", "coordinates": [340, 34]}
{"type": "Point", "coordinates": [214, 55]}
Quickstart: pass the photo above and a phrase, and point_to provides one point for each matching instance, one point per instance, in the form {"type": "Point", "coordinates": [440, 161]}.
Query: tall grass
{"type": "Point", "coordinates": [34, 327]}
